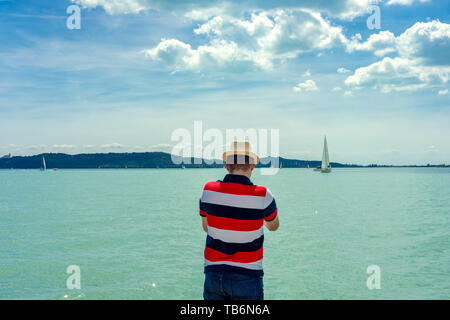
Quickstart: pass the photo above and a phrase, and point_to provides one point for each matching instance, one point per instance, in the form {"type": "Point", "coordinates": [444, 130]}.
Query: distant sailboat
{"type": "Point", "coordinates": [325, 168]}
{"type": "Point", "coordinates": [44, 166]}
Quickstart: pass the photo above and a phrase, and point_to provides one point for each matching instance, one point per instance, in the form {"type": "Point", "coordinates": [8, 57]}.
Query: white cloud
{"type": "Point", "coordinates": [218, 55]}
{"type": "Point", "coordinates": [337, 89]}
{"type": "Point", "coordinates": [204, 9]}
{"type": "Point", "coordinates": [401, 2]}
{"type": "Point", "coordinates": [238, 45]}
{"type": "Point", "coordinates": [398, 74]}
{"type": "Point", "coordinates": [114, 145]}
{"type": "Point", "coordinates": [348, 93]}
{"type": "Point", "coordinates": [307, 73]}
{"type": "Point", "coordinates": [116, 6]}
{"type": "Point", "coordinates": [404, 2]}
{"type": "Point", "coordinates": [278, 34]}
{"type": "Point", "coordinates": [423, 60]}
{"type": "Point", "coordinates": [342, 70]}
{"type": "Point", "coordinates": [161, 147]}
{"type": "Point", "coordinates": [443, 92]}
{"type": "Point", "coordinates": [428, 41]}
{"type": "Point", "coordinates": [37, 146]}
{"type": "Point", "coordinates": [64, 146]}
{"type": "Point", "coordinates": [249, 35]}
{"type": "Point", "coordinates": [308, 85]}
{"type": "Point", "coordinates": [380, 43]}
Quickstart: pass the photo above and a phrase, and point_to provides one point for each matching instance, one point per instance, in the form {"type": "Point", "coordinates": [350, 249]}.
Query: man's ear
{"type": "Point", "coordinates": [252, 167]}
{"type": "Point", "coordinates": [226, 166]}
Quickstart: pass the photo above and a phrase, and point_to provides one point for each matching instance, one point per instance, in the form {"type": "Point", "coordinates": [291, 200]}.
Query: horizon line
{"type": "Point", "coordinates": [10, 156]}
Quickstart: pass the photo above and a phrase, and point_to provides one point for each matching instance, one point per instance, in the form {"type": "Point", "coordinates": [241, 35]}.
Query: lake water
{"type": "Point", "coordinates": [136, 234]}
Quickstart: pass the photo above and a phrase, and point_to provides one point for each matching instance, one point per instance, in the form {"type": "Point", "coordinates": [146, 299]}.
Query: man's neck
{"type": "Point", "coordinates": [247, 174]}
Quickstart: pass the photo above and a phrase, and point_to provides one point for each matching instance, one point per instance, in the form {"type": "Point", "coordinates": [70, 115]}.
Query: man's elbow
{"type": "Point", "coordinates": [204, 224]}
{"type": "Point", "coordinates": [273, 226]}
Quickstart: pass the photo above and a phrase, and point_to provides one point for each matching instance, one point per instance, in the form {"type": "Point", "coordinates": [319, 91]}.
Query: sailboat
{"type": "Point", "coordinates": [44, 166]}
{"type": "Point", "coordinates": [325, 166]}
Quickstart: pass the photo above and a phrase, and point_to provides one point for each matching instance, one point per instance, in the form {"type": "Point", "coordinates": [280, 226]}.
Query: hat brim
{"type": "Point", "coordinates": [241, 153]}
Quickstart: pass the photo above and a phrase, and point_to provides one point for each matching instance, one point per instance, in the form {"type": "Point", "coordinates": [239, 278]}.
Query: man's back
{"type": "Point", "coordinates": [235, 211]}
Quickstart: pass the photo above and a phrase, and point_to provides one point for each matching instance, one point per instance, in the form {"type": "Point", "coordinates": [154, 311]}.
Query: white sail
{"type": "Point", "coordinates": [325, 159]}
{"type": "Point", "coordinates": [326, 151]}
{"type": "Point", "coordinates": [43, 162]}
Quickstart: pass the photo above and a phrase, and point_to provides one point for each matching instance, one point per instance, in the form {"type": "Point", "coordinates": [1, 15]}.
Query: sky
{"type": "Point", "coordinates": [137, 70]}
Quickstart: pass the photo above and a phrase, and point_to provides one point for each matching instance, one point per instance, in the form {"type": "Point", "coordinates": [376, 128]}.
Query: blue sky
{"type": "Point", "coordinates": [139, 69]}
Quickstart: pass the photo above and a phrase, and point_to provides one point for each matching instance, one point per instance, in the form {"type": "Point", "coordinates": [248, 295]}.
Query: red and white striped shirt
{"type": "Point", "coordinates": [235, 210]}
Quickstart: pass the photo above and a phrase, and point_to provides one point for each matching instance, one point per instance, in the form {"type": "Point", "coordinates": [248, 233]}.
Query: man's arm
{"type": "Point", "coordinates": [203, 215]}
{"type": "Point", "coordinates": [271, 220]}
{"type": "Point", "coordinates": [272, 225]}
{"type": "Point", "coordinates": [204, 224]}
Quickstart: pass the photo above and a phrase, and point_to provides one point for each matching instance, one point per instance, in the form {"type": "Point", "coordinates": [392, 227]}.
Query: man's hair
{"type": "Point", "coordinates": [239, 163]}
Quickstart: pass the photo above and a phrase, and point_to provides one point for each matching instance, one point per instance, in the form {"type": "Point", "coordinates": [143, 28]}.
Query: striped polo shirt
{"type": "Point", "coordinates": [235, 210]}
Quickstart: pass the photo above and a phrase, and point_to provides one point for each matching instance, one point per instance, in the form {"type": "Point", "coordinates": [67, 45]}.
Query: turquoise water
{"type": "Point", "coordinates": [136, 234]}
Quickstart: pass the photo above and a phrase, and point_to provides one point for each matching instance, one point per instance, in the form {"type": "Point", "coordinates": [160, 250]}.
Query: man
{"type": "Point", "coordinates": [233, 212]}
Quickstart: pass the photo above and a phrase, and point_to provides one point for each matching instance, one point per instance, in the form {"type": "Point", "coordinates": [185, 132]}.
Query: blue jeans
{"type": "Point", "coordinates": [232, 286]}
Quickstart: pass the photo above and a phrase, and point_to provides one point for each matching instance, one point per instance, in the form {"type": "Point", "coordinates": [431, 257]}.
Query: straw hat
{"type": "Point", "coordinates": [241, 148]}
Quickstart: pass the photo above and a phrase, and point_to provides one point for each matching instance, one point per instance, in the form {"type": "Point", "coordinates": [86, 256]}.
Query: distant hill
{"type": "Point", "coordinates": [130, 160]}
